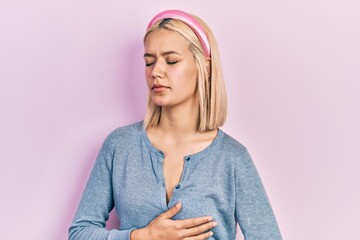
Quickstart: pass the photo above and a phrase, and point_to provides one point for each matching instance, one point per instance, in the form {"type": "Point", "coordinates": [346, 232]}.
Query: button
{"type": "Point", "coordinates": [177, 186]}
{"type": "Point", "coordinates": [187, 158]}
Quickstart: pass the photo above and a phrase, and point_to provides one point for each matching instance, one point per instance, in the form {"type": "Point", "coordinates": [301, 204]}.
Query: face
{"type": "Point", "coordinates": [170, 70]}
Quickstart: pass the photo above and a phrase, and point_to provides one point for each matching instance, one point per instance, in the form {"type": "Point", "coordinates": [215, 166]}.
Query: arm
{"type": "Point", "coordinates": [252, 208]}
{"type": "Point", "coordinates": [97, 202]}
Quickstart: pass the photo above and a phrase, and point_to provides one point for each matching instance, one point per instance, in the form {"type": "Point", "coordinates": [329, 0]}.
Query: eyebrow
{"type": "Point", "coordinates": [162, 54]}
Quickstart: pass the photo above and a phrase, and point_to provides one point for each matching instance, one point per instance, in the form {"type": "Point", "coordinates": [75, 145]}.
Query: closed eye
{"type": "Point", "coordinates": [172, 62]}
{"type": "Point", "coordinates": [149, 64]}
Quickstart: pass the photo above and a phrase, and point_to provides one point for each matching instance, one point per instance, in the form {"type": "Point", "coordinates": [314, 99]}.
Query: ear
{"type": "Point", "coordinates": [208, 66]}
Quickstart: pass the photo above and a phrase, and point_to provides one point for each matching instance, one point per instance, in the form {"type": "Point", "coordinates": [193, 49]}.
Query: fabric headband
{"type": "Point", "coordinates": [190, 21]}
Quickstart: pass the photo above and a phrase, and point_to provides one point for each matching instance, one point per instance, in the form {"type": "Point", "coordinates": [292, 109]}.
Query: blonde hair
{"type": "Point", "coordinates": [210, 85]}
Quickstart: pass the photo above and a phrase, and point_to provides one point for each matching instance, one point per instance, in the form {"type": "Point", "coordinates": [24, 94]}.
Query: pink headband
{"type": "Point", "coordinates": [190, 21]}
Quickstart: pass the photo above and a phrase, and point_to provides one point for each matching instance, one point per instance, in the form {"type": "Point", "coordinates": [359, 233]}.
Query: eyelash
{"type": "Point", "coordinates": [170, 63]}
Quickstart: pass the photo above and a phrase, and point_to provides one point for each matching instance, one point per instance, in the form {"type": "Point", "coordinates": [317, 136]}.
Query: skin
{"type": "Point", "coordinates": [171, 77]}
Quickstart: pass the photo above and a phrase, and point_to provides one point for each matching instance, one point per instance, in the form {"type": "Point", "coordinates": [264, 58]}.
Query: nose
{"type": "Point", "coordinates": [157, 70]}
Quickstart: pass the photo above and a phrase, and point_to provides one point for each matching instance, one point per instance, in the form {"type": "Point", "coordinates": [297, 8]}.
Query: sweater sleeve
{"type": "Point", "coordinates": [252, 207]}
{"type": "Point", "coordinates": [97, 202]}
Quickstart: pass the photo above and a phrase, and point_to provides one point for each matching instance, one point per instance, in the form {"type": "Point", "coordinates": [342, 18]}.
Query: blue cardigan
{"type": "Point", "coordinates": [220, 181]}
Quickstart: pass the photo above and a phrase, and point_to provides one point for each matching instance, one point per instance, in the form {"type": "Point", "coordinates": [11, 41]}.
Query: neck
{"type": "Point", "coordinates": [180, 120]}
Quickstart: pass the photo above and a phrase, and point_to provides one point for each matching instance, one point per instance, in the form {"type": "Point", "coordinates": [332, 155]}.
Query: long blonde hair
{"type": "Point", "coordinates": [210, 85]}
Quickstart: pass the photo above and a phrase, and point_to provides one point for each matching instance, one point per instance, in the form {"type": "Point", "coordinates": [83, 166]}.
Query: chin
{"type": "Point", "coordinates": [160, 101]}
{"type": "Point", "coordinates": [164, 104]}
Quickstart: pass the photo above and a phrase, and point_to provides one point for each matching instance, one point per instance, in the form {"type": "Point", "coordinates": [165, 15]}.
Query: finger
{"type": "Point", "coordinates": [201, 236]}
{"type": "Point", "coordinates": [171, 212]}
{"type": "Point", "coordinates": [195, 231]}
{"type": "Point", "coordinates": [193, 222]}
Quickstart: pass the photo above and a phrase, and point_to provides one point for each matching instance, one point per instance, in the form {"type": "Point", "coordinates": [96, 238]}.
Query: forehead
{"type": "Point", "coordinates": [163, 40]}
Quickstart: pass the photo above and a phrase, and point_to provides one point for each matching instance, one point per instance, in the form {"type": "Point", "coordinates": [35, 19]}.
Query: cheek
{"type": "Point", "coordinates": [186, 73]}
{"type": "Point", "coordinates": [147, 72]}
{"type": "Point", "coordinates": [191, 76]}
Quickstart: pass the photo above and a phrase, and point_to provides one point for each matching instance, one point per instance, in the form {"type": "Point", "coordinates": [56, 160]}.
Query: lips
{"type": "Point", "coordinates": [158, 87]}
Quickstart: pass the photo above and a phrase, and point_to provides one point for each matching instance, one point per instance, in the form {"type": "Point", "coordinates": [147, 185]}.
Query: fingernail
{"type": "Point", "coordinates": [214, 224]}
{"type": "Point", "coordinates": [178, 205]}
{"type": "Point", "coordinates": [210, 218]}
{"type": "Point", "coordinates": [211, 233]}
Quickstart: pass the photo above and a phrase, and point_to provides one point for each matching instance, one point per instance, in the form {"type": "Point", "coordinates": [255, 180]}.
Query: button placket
{"type": "Point", "coordinates": [186, 169]}
{"type": "Point", "coordinates": [162, 180]}
{"type": "Point", "coordinates": [183, 177]}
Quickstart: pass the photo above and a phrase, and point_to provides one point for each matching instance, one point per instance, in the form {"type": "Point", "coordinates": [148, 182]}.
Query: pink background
{"type": "Point", "coordinates": [72, 71]}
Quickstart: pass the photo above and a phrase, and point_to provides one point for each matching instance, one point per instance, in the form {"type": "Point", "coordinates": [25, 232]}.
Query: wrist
{"type": "Point", "coordinates": [139, 234]}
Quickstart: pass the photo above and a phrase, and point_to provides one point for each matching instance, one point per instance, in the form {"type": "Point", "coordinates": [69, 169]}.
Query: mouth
{"type": "Point", "coordinates": [158, 88]}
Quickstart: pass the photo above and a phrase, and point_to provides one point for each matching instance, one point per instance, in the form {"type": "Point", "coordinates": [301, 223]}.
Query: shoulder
{"type": "Point", "coordinates": [125, 134]}
{"type": "Point", "coordinates": [235, 152]}
{"type": "Point", "coordinates": [230, 145]}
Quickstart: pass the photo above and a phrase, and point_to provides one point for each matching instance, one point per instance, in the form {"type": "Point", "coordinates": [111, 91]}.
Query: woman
{"type": "Point", "coordinates": [176, 175]}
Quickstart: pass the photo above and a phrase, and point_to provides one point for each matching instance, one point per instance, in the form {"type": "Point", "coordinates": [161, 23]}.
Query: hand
{"type": "Point", "coordinates": [164, 228]}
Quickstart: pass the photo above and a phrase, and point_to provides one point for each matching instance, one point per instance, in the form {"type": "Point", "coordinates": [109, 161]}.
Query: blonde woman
{"type": "Point", "coordinates": [176, 175]}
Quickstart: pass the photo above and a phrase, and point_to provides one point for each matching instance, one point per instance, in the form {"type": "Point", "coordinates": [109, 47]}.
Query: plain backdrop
{"type": "Point", "coordinates": [72, 71]}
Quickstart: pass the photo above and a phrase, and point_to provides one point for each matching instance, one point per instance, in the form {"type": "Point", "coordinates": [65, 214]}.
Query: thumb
{"type": "Point", "coordinates": [172, 211]}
